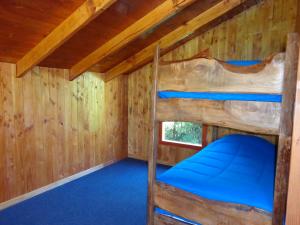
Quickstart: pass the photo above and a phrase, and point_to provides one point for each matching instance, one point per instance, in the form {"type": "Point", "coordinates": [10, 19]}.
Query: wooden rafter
{"type": "Point", "coordinates": [145, 55]}
{"type": "Point", "coordinates": [76, 21]}
{"type": "Point", "coordinates": [153, 18]}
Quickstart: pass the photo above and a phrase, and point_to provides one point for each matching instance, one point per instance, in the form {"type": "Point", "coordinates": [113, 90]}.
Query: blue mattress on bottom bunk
{"type": "Point", "coordinates": [236, 168]}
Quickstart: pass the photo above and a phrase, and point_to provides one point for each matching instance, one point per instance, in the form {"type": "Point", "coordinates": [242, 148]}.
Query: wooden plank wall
{"type": "Point", "coordinates": [51, 128]}
{"type": "Point", "coordinates": [254, 34]}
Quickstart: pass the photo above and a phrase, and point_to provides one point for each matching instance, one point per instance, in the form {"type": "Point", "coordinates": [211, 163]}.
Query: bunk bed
{"type": "Point", "coordinates": [238, 179]}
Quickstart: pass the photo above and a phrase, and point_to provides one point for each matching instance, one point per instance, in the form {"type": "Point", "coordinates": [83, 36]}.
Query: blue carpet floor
{"type": "Point", "coordinates": [115, 195]}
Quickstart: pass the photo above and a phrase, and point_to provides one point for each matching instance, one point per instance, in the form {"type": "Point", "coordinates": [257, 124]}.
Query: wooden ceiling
{"type": "Point", "coordinates": [119, 16]}
{"type": "Point", "coordinates": [24, 24]}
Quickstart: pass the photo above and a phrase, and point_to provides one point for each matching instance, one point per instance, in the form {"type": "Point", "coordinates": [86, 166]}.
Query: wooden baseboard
{"type": "Point", "coordinates": [51, 186]}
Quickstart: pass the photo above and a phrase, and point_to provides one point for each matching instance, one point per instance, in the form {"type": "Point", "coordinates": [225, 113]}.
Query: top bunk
{"type": "Point", "coordinates": [244, 95]}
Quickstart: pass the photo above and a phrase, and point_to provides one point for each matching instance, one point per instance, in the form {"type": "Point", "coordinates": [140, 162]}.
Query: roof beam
{"type": "Point", "coordinates": [76, 21]}
{"type": "Point", "coordinates": [145, 56]}
{"type": "Point", "coordinates": [154, 17]}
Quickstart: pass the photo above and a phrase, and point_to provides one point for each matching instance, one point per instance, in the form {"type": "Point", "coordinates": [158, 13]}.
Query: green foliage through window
{"type": "Point", "coordinates": [182, 132]}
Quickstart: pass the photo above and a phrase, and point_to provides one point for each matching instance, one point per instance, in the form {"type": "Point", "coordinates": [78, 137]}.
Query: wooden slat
{"type": "Point", "coordinates": [208, 212]}
{"type": "Point", "coordinates": [41, 152]}
{"type": "Point", "coordinates": [257, 117]}
{"type": "Point", "coordinates": [146, 54]}
{"type": "Point", "coordinates": [81, 122]}
{"type": "Point", "coordinates": [18, 106]}
{"type": "Point", "coordinates": [293, 202]}
{"type": "Point", "coordinates": [160, 13]}
{"type": "Point", "coordinates": [29, 120]}
{"type": "Point", "coordinates": [203, 74]}
{"type": "Point", "coordinates": [61, 123]}
{"type": "Point", "coordinates": [286, 128]}
{"type": "Point", "coordinates": [76, 21]}
{"type": "Point", "coordinates": [52, 132]}
{"type": "Point", "coordinates": [8, 126]}
{"type": "Point", "coordinates": [44, 73]}
{"type": "Point", "coordinates": [152, 154]}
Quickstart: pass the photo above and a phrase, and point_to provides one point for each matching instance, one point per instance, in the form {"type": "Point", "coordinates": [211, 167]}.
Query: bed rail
{"type": "Point", "coordinates": [212, 75]}
{"type": "Point", "coordinates": [207, 211]}
{"type": "Point", "coordinates": [256, 117]}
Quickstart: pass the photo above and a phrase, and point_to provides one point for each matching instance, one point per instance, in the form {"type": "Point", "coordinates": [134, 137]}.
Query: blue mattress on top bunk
{"type": "Point", "coordinates": [244, 62]}
{"type": "Point", "coordinates": [220, 96]}
{"type": "Point", "coordinates": [236, 168]}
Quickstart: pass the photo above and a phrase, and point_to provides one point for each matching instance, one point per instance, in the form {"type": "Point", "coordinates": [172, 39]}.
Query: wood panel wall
{"type": "Point", "coordinates": [51, 128]}
{"type": "Point", "coordinates": [254, 34]}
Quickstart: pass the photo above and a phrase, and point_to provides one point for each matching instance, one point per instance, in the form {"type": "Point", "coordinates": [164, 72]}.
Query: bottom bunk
{"type": "Point", "coordinates": [231, 181]}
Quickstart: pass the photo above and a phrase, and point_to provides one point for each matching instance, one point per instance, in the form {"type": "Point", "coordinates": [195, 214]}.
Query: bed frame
{"type": "Point", "coordinates": [275, 76]}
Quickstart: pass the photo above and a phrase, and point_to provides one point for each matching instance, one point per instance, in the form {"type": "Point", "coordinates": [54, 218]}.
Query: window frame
{"type": "Point", "coordinates": [181, 145]}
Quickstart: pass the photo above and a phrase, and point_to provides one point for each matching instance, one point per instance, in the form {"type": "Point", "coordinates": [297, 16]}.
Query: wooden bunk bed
{"type": "Point", "coordinates": [221, 94]}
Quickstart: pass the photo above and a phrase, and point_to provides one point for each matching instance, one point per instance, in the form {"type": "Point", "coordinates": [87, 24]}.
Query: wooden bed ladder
{"type": "Point", "coordinates": [285, 133]}
{"type": "Point", "coordinates": [152, 151]}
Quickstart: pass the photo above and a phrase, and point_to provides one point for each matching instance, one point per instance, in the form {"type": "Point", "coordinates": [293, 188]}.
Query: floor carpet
{"type": "Point", "coordinates": [115, 195]}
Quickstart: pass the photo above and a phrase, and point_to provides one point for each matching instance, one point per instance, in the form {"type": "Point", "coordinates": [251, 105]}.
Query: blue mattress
{"type": "Point", "coordinates": [244, 63]}
{"type": "Point", "coordinates": [236, 168]}
{"type": "Point", "coordinates": [222, 96]}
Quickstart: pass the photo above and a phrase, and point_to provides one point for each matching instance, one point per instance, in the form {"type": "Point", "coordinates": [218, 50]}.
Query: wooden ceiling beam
{"type": "Point", "coordinates": [221, 9]}
{"type": "Point", "coordinates": [76, 21]}
{"type": "Point", "coordinates": [154, 17]}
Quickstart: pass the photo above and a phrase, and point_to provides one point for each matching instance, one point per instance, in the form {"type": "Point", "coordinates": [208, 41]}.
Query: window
{"type": "Point", "coordinates": [183, 134]}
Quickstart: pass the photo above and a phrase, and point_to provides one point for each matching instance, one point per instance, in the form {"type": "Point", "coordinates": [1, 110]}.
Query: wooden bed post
{"type": "Point", "coordinates": [293, 202]}
{"type": "Point", "coordinates": [286, 127]}
{"type": "Point", "coordinates": [152, 154]}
